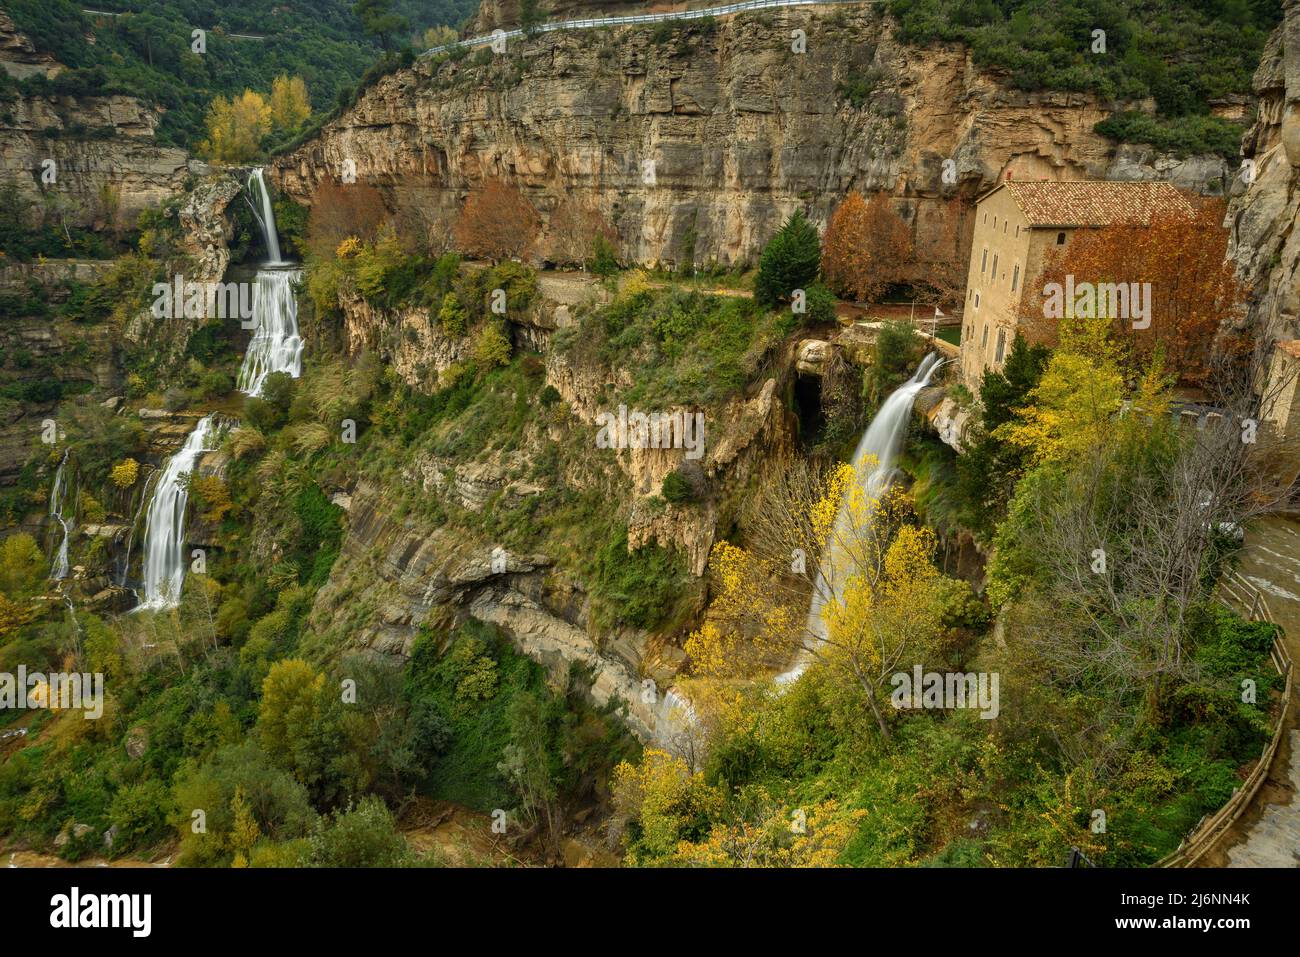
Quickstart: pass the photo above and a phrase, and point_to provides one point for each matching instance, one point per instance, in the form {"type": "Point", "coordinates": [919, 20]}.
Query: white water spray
{"type": "Point", "coordinates": [877, 450]}
{"type": "Point", "coordinates": [164, 532]}
{"type": "Point", "coordinates": [265, 216]}
{"type": "Point", "coordinates": [276, 345]}
{"type": "Point", "coordinates": [60, 569]}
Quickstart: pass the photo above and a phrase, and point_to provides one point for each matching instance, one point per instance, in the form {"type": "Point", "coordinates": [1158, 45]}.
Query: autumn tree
{"type": "Point", "coordinates": [439, 36]}
{"type": "Point", "coordinates": [292, 699]}
{"type": "Point", "coordinates": [1193, 287]}
{"type": "Point", "coordinates": [290, 104]}
{"type": "Point", "coordinates": [22, 567]}
{"type": "Point", "coordinates": [235, 127]}
{"type": "Point", "coordinates": [878, 602]}
{"type": "Point", "coordinates": [497, 222]}
{"type": "Point", "coordinates": [340, 211]}
{"type": "Point", "coordinates": [948, 254]}
{"type": "Point", "coordinates": [244, 833]}
{"type": "Point", "coordinates": [867, 247]}
{"type": "Point", "coordinates": [573, 232]}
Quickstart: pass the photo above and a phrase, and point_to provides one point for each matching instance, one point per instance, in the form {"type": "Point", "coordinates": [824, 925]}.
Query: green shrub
{"type": "Point", "coordinates": [677, 489]}
{"type": "Point", "coordinates": [790, 261]}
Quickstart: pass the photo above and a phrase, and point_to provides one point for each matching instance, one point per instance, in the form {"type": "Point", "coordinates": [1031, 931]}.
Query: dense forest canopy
{"type": "Point", "coordinates": [147, 51]}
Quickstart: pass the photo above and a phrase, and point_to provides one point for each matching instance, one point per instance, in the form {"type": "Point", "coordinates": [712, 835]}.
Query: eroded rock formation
{"type": "Point", "coordinates": [736, 128]}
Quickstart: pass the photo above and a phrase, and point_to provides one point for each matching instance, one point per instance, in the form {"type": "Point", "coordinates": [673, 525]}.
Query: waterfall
{"type": "Point", "coordinates": [265, 216]}
{"type": "Point", "coordinates": [60, 569]}
{"type": "Point", "coordinates": [877, 450]}
{"type": "Point", "coordinates": [276, 345]}
{"type": "Point", "coordinates": [164, 531]}
{"type": "Point", "coordinates": [135, 524]}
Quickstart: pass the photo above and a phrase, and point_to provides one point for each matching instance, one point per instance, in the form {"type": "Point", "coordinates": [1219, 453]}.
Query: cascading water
{"type": "Point", "coordinates": [164, 531]}
{"type": "Point", "coordinates": [265, 215]}
{"type": "Point", "coordinates": [145, 498]}
{"type": "Point", "coordinates": [59, 571]}
{"type": "Point", "coordinates": [276, 345]}
{"type": "Point", "coordinates": [877, 450]}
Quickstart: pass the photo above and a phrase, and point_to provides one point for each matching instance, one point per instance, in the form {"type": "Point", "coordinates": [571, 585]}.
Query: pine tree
{"type": "Point", "coordinates": [789, 262]}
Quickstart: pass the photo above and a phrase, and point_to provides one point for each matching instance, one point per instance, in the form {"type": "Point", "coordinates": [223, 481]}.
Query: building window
{"type": "Point", "coordinates": [1017, 232]}
{"type": "Point", "coordinates": [1005, 224]}
{"type": "Point", "coordinates": [986, 217]}
{"type": "Point", "coordinates": [995, 222]}
{"type": "Point", "coordinates": [1060, 239]}
{"type": "Point", "coordinates": [1002, 344]}
{"type": "Point", "coordinates": [984, 260]}
{"type": "Point", "coordinates": [995, 267]}
{"type": "Point", "coordinates": [984, 339]}
{"type": "Point", "coordinates": [1015, 277]}
{"type": "Point", "coordinates": [977, 300]}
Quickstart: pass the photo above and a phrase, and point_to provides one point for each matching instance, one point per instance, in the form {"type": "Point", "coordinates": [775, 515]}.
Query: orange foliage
{"type": "Point", "coordinates": [572, 231]}
{"type": "Point", "coordinates": [867, 247]}
{"type": "Point", "coordinates": [340, 210]}
{"type": "Point", "coordinates": [496, 223]}
{"type": "Point", "coordinates": [1193, 286]}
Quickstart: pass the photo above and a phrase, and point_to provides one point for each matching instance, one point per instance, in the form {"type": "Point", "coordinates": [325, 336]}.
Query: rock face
{"type": "Point", "coordinates": [695, 147]}
{"type": "Point", "coordinates": [206, 229]}
{"type": "Point", "coordinates": [1263, 213]}
{"type": "Point", "coordinates": [106, 166]}
{"type": "Point", "coordinates": [394, 574]}
{"type": "Point", "coordinates": [18, 57]}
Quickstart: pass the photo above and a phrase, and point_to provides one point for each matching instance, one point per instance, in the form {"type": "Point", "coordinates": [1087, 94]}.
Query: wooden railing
{"type": "Point", "coordinates": [1237, 593]}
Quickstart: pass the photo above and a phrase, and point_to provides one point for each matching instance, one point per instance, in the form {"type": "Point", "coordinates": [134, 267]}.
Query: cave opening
{"type": "Point", "coordinates": [808, 406]}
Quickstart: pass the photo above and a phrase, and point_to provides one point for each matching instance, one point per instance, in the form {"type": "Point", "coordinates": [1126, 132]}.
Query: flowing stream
{"type": "Point", "coordinates": [164, 531]}
{"type": "Point", "coordinates": [59, 571]}
{"type": "Point", "coordinates": [873, 463]}
{"type": "Point", "coordinates": [276, 345]}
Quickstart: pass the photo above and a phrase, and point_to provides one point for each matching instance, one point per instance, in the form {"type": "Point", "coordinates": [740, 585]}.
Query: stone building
{"type": "Point", "coordinates": [1018, 224]}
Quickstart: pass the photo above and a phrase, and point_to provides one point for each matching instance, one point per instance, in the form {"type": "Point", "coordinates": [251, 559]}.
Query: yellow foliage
{"type": "Point", "coordinates": [780, 837]}
{"type": "Point", "coordinates": [236, 127]}
{"type": "Point", "coordinates": [125, 473]}
{"type": "Point", "coordinates": [664, 796]}
{"type": "Point", "coordinates": [1074, 404]}
{"type": "Point", "coordinates": [289, 102]}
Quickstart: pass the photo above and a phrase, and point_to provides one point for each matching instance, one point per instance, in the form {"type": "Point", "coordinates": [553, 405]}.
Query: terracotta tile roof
{"type": "Point", "coordinates": [1094, 203]}
{"type": "Point", "coordinates": [1291, 347]}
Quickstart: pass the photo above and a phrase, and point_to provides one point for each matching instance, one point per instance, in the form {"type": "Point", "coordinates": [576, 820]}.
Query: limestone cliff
{"type": "Point", "coordinates": [106, 166]}
{"type": "Point", "coordinates": [737, 129]}
{"type": "Point", "coordinates": [1263, 213]}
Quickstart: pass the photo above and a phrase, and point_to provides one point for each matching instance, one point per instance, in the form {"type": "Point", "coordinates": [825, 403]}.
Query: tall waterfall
{"type": "Point", "coordinates": [878, 450]}
{"type": "Point", "coordinates": [164, 531]}
{"type": "Point", "coordinates": [276, 345]}
{"type": "Point", "coordinates": [60, 569]}
{"type": "Point", "coordinates": [265, 216]}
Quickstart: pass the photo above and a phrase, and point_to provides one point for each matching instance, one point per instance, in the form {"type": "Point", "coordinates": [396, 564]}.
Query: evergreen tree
{"type": "Point", "coordinates": [789, 262]}
{"type": "Point", "coordinates": [379, 20]}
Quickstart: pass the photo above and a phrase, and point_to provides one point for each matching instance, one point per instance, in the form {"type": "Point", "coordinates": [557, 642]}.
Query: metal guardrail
{"type": "Point", "coordinates": [1210, 829]}
{"type": "Point", "coordinates": [595, 22]}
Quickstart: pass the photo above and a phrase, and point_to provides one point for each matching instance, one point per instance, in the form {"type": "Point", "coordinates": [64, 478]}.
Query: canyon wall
{"type": "Point", "coordinates": [107, 166]}
{"type": "Point", "coordinates": [737, 129]}
{"type": "Point", "coordinates": [1263, 212]}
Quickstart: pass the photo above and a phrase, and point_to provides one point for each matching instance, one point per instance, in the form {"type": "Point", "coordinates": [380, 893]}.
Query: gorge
{"type": "Point", "coordinates": [389, 576]}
